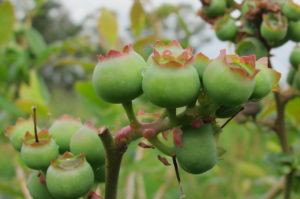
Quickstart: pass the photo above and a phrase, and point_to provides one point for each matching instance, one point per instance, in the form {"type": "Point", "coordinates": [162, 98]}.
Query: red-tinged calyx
{"type": "Point", "coordinates": [68, 161]}
{"type": "Point", "coordinates": [244, 66]}
{"type": "Point", "coordinates": [177, 137]}
{"type": "Point", "coordinates": [200, 56]}
{"type": "Point", "coordinates": [274, 75]}
{"type": "Point", "coordinates": [115, 54]}
{"type": "Point", "coordinates": [167, 58]}
{"type": "Point", "coordinates": [275, 21]}
{"type": "Point", "coordinates": [43, 135]}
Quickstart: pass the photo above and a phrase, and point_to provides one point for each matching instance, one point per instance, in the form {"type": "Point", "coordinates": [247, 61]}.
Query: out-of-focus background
{"type": "Point", "coordinates": [48, 51]}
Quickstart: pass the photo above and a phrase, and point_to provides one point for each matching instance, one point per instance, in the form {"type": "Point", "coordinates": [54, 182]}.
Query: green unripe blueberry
{"type": "Point", "coordinates": [86, 141]}
{"type": "Point", "coordinates": [100, 174]}
{"type": "Point", "coordinates": [38, 155]}
{"type": "Point", "coordinates": [17, 132]}
{"type": "Point", "coordinates": [265, 81]}
{"type": "Point", "coordinates": [222, 77]}
{"type": "Point", "coordinates": [69, 177]}
{"type": "Point", "coordinates": [295, 57]}
{"type": "Point", "coordinates": [62, 131]}
{"type": "Point", "coordinates": [171, 81]}
{"type": "Point", "coordinates": [294, 31]}
{"type": "Point", "coordinates": [291, 10]}
{"type": "Point", "coordinates": [200, 63]}
{"type": "Point", "coordinates": [215, 8]}
{"type": "Point", "coordinates": [117, 78]}
{"type": "Point", "coordinates": [198, 152]}
{"type": "Point", "coordinates": [274, 28]}
{"type": "Point", "coordinates": [225, 112]}
{"type": "Point", "coordinates": [296, 83]}
{"type": "Point", "coordinates": [226, 29]}
{"type": "Point", "coordinates": [251, 45]}
{"type": "Point", "coordinates": [37, 187]}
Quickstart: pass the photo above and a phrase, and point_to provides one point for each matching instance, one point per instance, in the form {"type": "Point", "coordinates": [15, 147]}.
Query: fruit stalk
{"type": "Point", "coordinates": [130, 114]}
{"type": "Point", "coordinates": [279, 128]}
{"type": "Point", "coordinates": [35, 124]}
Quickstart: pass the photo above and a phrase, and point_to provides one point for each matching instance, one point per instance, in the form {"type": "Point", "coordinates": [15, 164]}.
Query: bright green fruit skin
{"type": "Point", "coordinates": [291, 10]}
{"type": "Point", "coordinates": [100, 174]}
{"type": "Point", "coordinates": [226, 29]}
{"type": "Point", "coordinates": [70, 183]}
{"type": "Point", "coordinates": [271, 32]}
{"type": "Point", "coordinates": [225, 87]}
{"type": "Point", "coordinates": [294, 31]}
{"type": "Point", "coordinates": [295, 57]}
{"type": "Point", "coordinates": [62, 131]}
{"type": "Point", "coordinates": [17, 133]}
{"type": "Point", "coordinates": [171, 87]}
{"type": "Point", "coordinates": [215, 8]}
{"type": "Point", "coordinates": [250, 46]}
{"type": "Point", "coordinates": [86, 141]}
{"type": "Point", "coordinates": [198, 152]}
{"type": "Point", "coordinates": [225, 112]}
{"type": "Point", "coordinates": [39, 156]}
{"type": "Point", "coordinates": [37, 189]}
{"type": "Point", "coordinates": [263, 84]}
{"type": "Point", "coordinates": [119, 79]}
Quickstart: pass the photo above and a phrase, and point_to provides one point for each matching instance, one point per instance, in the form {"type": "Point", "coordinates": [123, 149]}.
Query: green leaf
{"type": "Point", "coordinates": [108, 28]}
{"type": "Point", "coordinates": [34, 94]}
{"type": "Point", "coordinates": [251, 170]}
{"type": "Point", "coordinates": [36, 41]}
{"type": "Point", "coordinates": [137, 17]}
{"type": "Point", "coordinates": [7, 21]}
{"type": "Point", "coordinates": [8, 106]}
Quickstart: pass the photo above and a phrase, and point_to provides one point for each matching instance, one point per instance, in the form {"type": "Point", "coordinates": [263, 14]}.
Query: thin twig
{"type": "Point", "coordinates": [276, 190]}
{"type": "Point", "coordinates": [22, 181]}
{"type": "Point", "coordinates": [231, 118]}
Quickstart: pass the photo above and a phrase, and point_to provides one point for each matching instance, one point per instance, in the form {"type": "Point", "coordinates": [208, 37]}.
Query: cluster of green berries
{"type": "Point", "coordinates": [262, 24]}
{"type": "Point", "coordinates": [68, 159]}
{"type": "Point", "coordinates": [173, 77]}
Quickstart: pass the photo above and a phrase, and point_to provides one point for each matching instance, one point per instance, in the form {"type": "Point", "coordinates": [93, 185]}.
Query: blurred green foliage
{"type": "Point", "coordinates": [47, 62]}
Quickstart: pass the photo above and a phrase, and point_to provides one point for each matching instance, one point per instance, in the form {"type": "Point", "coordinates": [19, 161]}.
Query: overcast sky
{"type": "Point", "coordinates": [81, 8]}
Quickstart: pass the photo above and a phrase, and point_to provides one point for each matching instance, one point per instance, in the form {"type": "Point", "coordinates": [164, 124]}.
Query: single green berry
{"type": "Point", "coordinates": [86, 141]}
{"type": "Point", "coordinates": [295, 57]}
{"type": "Point", "coordinates": [215, 8]}
{"type": "Point", "coordinates": [200, 63]}
{"type": "Point", "coordinates": [274, 28]}
{"type": "Point", "coordinates": [100, 174]}
{"type": "Point", "coordinates": [117, 78]}
{"type": "Point", "coordinates": [226, 29]}
{"type": "Point", "coordinates": [62, 131]}
{"type": "Point", "coordinates": [69, 177]}
{"type": "Point", "coordinates": [17, 132]}
{"type": "Point", "coordinates": [251, 45]}
{"type": "Point", "coordinates": [171, 81]}
{"type": "Point", "coordinates": [39, 154]}
{"type": "Point", "coordinates": [225, 112]}
{"type": "Point", "coordinates": [291, 10]}
{"type": "Point", "coordinates": [37, 187]}
{"type": "Point", "coordinates": [265, 81]}
{"type": "Point", "coordinates": [294, 31]}
{"type": "Point", "coordinates": [198, 152]}
{"type": "Point", "coordinates": [230, 73]}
